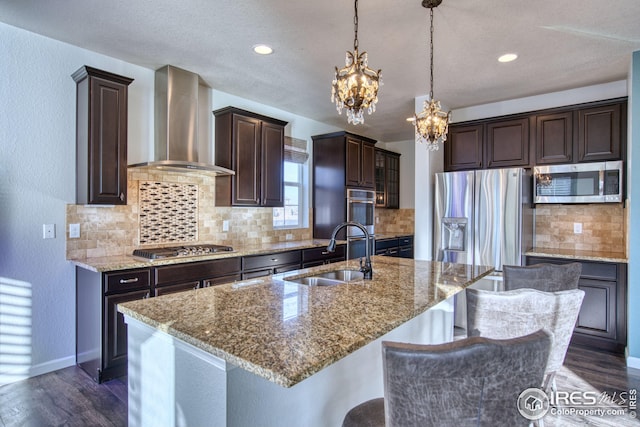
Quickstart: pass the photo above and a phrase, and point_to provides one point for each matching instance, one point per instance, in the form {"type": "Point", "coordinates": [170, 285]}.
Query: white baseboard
{"type": "Point", "coordinates": [17, 374]}
{"type": "Point", "coordinates": [633, 362]}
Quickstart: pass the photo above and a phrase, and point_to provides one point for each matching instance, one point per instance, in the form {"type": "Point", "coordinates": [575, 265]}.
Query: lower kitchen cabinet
{"type": "Point", "coordinates": [264, 265]}
{"type": "Point", "coordinates": [319, 256]}
{"type": "Point", "coordinates": [194, 275]}
{"type": "Point", "coordinates": [602, 322]}
{"type": "Point", "coordinates": [101, 334]}
{"type": "Point", "coordinates": [401, 247]}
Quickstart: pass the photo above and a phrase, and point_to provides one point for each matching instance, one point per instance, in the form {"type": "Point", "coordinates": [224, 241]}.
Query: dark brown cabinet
{"type": "Point", "coordinates": [580, 133]}
{"type": "Point", "coordinates": [507, 143]}
{"type": "Point", "coordinates": [602, 322]}
{"type": "Point", "coordinates": [554, 138]}
{"type": "Point", "coordinates": [387, 171]}
{"type": "Point", "coordinates": [400, 247]}
{"type": "Point", "coordinates": [600, 133]}
{"type": "Point", "coordinates": [463, 147]}
{"type": "Point", "coordinates": [252, 145]}
{"type": "Point", "coordinates": [339, 160]}
{"type": "Point", "coordinates": [265, 265]}
{"type": "Point", "coordinates": [348, 158]}
{"type": "Point", "coordinates": [360, 160]}
{"type": "Point", "coordinates": [319, 256]}
{"type": "Point", "coordinates": [184, 277]}
{"type": "Point", "coordinates": [101, 334]}
{"type": "Point", "coordinates": [101, 137]}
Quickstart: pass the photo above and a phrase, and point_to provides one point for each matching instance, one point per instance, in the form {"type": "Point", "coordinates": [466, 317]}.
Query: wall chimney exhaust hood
{"type": "Point", "coordinates": [176, 124]}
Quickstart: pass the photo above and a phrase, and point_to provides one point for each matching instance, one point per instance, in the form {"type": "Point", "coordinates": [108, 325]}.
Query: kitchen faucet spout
{"type": "Point", "coordinates": [366, 268]}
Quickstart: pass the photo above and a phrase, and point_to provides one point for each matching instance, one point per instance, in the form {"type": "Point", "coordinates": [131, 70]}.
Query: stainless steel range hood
{"type": "Point", "coordinates": [176, 124]}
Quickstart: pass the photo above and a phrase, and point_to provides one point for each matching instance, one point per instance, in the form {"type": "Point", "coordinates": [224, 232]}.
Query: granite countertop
{"type": "Point", "coordinates": [391, 235]}
{"type": "Point", "coordinates": [576, 254]}
{"type": "Point", "coordinates": [286, 332]}
{"type": "Point", "coordinates": [127, 262]}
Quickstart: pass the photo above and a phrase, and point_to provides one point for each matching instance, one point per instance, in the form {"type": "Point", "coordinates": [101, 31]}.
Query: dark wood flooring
{"type": "Point", "coordinates": [68, 397]}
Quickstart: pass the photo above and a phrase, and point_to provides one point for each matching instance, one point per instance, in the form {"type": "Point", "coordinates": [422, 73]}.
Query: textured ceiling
{"type": "Point", "coordinates": [561, 45]}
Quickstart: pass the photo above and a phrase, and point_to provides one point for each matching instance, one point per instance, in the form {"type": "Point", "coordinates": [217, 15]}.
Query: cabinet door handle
{"type": "Point", "coordinates": [325, 252]}
{"type": "Point", "coordinates": [147, 295]}
{"type": "Point", "coordinates": [132, 280]}
{"type": "Point", "coordinates": [274, 259]}
{"type": "Point", "coordinates": [122, 196]}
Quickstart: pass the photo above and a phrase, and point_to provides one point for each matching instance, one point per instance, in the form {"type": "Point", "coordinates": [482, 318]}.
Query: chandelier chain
{"type": "Point", "coordinates": [355, 26]}
{"type": "Point", "coordinates": [431, 50]}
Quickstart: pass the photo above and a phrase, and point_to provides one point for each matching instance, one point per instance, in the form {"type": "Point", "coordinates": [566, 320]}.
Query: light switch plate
{"type": "Point", "coordinates": [577, 228]}
{"type": "Point", "coordinates": [74, 231]}
{"type": "Point", "coordinates": [48, 231]}
{"type": "Point", "coordinates": [225, 225]}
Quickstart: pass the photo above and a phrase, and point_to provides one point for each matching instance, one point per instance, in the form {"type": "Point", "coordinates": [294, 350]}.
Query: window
{"type": "Point", "coordinates": [292, 215]}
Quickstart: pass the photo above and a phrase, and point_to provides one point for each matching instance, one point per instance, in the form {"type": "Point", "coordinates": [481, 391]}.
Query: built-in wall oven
{"type": "Point", "coordinates": [360, 208]}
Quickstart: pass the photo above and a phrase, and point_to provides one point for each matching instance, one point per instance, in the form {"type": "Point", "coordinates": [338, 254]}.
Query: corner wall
{"type": "Point", "coordinates": [633, 192]}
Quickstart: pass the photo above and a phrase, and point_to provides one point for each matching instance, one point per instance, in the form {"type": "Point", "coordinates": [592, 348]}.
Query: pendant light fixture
{"type": "Point", "coordinates": [432, 124]}
{"type": "Point", "coordinates": [355, 86]}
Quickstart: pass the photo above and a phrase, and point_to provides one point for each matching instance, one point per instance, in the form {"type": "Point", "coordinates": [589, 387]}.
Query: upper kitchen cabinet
{"type": "Point", "coordinates": [252, 145]}
{"type": "Point", "coordinates": [554, 138]}
{"type": "Point", "coordinates": [507, 143]}
{"type": "Point", "coordinates": [347, 159]}
{"type": "Point", "coordinates": [600, 132]}
{"type": "Point", "coordinates": [387, 170]}
{"type": "Point", "coordinates": [595, 131]}
{"type": "Point", "coordinates": [463, 147]}
{"type": "Point", "coordinates": [101, 137]}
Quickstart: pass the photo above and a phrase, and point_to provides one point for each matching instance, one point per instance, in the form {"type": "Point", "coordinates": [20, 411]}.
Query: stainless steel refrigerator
{"type": "Point", "coordinates": [483, 217]}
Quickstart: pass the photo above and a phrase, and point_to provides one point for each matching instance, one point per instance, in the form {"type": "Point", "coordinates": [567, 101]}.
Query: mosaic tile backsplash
{"type": "Point", "coordinates": [168, 212]}
{"type": "Point", "coordinates": [603, 227]}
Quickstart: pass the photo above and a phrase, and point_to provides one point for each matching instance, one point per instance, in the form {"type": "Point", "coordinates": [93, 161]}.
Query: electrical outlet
{"type": "Point", "coordinates": [289, 236]}
{"type": "Point", "coordinates": [225, 225]}
{"type": "Point", "coordinates": [74, 231]}
{"type": "Point", "coordinates": [48, 231]}
{"type": "Point", "coordinates": [577, 228]}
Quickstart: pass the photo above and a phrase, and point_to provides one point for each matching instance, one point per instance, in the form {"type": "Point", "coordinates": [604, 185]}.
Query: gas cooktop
{"type": "Point", "coordinates": [180, 251]}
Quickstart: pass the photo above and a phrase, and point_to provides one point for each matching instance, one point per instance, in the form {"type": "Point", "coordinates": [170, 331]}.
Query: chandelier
{"type": "Point", "coordinates": [355, 86]}
{"type": "Point", "coordinates": [432, 124]}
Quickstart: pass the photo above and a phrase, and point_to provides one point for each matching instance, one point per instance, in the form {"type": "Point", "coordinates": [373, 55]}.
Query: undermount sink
{"type": "Point", "coordinates": [342, 275]}
{"type": "Point", "coordinates": [329, 278]}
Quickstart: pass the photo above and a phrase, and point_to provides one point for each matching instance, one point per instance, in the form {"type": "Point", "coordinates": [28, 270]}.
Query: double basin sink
{"type": "Point", "coordinates": [328, 278]}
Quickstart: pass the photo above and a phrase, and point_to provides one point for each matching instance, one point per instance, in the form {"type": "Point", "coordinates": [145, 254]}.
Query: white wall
{"type": "Point", "coordinates": [37, 180]}
{"type": "Point", "coordinates": [633, 193]}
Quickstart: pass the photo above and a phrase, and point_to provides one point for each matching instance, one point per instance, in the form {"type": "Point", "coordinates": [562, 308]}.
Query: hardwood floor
{"type": "Point", "coordinates": [68, 397]}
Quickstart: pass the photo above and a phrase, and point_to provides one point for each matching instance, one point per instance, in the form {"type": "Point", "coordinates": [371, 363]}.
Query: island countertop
{"type": "Point", "coordinates": [286, 332]}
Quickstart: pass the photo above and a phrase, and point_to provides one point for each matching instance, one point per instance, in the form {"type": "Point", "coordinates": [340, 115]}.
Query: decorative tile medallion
{"type": "Point", "coordinates": [168, 212]}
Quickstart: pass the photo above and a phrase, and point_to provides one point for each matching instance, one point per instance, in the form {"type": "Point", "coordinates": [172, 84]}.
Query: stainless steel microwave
{"type": "Point", "coordinates": [599, 182]}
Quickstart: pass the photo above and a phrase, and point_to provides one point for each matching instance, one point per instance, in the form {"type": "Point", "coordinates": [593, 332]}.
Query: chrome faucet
{"type": "Point", "coordinates": [366, 268]}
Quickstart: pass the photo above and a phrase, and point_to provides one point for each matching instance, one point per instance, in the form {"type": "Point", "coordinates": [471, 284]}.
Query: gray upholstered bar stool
{"type": "Point", "coordinates": [509, 314]}
{"type": "Point", "coordinates": [474, 381]}
{"type": "Point", "coordinates": [543, 277]}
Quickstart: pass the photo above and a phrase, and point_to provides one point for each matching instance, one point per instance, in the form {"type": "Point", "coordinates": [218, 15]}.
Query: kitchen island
{"type": "Point", "coordinates": [271, 352]}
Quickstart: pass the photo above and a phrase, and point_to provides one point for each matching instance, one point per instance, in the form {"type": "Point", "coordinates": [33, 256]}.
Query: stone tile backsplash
{"type": "Point", "coordinates": [603, 227]}
{"type": "Point", "coordinates": [395, 221]}
{"type": "Point", "coordinates": [117, 230]}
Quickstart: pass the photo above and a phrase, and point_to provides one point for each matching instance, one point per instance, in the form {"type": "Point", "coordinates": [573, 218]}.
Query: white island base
{"type": "Point", "coordinates": [173, 383]}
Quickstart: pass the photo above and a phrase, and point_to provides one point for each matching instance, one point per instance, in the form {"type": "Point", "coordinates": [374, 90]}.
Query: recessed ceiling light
{"type": "Point", "coordinates": [411, 119]}
{"type": "Point", "coordinates": [262, 49]}
{"type": "Point", "coordinates": [508, 57]}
